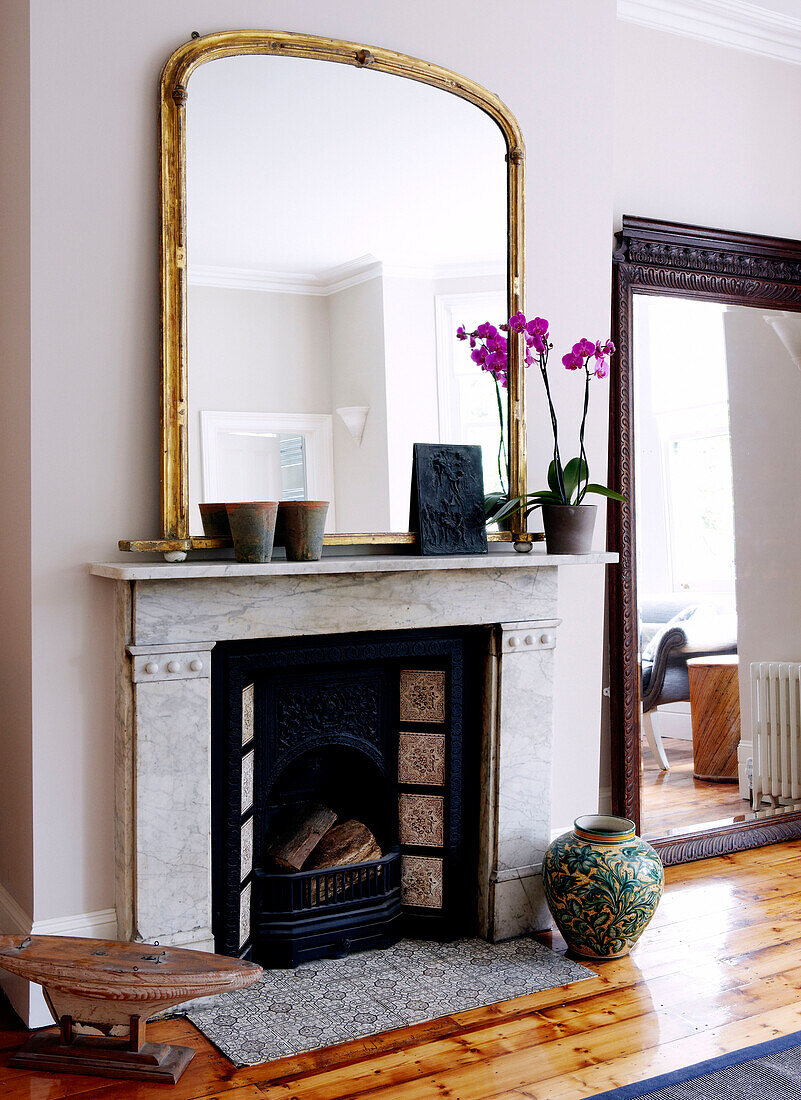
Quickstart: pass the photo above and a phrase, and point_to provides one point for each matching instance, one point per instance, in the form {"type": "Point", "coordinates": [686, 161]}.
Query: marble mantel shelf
{"type": "Point", "coordinates": [395, 563]}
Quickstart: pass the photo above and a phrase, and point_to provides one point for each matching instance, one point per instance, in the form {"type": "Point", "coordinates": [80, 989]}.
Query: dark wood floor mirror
{"type": "Point", "coordinates": [682, 297]}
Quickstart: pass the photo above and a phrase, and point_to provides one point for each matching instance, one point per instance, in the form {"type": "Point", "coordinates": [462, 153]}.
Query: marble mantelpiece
{"type": "Point", "coordinates": [170, 616]}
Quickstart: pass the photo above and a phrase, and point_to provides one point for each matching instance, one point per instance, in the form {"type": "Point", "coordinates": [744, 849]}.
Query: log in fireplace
{"type": "Point", "coordinates": [383, 729]}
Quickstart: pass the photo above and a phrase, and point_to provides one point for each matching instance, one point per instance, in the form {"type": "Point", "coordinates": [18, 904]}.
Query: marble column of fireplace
{"type": "Point", "coordinates": [169, 617]}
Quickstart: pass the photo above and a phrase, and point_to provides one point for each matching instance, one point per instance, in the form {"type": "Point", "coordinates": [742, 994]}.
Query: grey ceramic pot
{"type": "Point", "coordinates": [253, 529]}
{"type": "Point", "coordinates": [300, 528]}
{"type": "Point", "coordinates": [568, 527]}
{"type": "Point", "coordinates": [215, 521]}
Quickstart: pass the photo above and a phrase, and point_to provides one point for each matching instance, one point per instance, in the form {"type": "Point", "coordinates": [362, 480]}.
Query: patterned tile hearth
{"type": "Point", "coordinates": [332, 1001]}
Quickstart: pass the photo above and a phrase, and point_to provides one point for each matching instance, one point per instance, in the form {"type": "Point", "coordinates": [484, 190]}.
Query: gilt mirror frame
{"type": "Point", "coordinates": [176, 539]}
{"type": "Point", "coordinates": [669, 259]}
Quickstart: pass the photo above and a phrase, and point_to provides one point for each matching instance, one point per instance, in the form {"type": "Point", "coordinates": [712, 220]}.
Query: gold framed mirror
{"type": "Point", "coordinates": [181, 435]}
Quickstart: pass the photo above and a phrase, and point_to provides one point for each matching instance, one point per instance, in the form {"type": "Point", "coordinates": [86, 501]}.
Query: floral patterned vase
{"type": "Point", "coordinates": [602, 884]}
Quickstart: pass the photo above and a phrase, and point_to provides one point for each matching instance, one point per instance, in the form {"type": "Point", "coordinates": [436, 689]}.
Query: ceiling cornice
{"type": "Point", "coordinates": [334, 279]}
{"type": "Point", "coordinates": [734, 23]}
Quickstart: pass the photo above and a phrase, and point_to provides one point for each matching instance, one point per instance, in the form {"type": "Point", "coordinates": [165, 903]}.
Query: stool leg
{"type": "Point", "coordinates": [654, 740]}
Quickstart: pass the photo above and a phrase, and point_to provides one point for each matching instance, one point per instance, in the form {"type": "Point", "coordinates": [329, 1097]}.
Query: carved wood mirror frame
{"type": "Point", "coordinates": [663, 258]}
{"type": "Point", "coordinates": [176, 539]}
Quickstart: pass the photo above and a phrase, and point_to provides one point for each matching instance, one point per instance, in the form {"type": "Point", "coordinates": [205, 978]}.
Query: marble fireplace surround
{"type": "Point", "coordinates": [168, 619]}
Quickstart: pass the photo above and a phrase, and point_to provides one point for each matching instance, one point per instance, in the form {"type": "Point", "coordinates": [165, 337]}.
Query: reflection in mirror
{"type": "Point", "coordinates": [707, 379]}
{"type": "Point", "coordinates": [342, 223]}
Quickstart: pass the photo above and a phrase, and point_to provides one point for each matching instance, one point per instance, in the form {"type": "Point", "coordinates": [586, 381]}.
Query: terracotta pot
{"type": "Point", "coordinates": [215, 521]}
{"type": "Point", "coordinates": [602, 884]}
{"type": "Point", "coordinates": [569, 527]}
{"type": "Point", "coordinates": [300, 528]}
{"type": "Point", "coordinates": [253, 529]}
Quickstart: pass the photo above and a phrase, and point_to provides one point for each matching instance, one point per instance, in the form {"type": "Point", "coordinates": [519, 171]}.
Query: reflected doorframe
{"type": "Point", "coordinates": [671, 259]}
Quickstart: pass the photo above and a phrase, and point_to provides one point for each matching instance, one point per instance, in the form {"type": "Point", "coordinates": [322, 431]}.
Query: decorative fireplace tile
{"type": "Point", "coordinates": [421, 818]}
{"type": "Point", "coordinates": [247, 850]}
{"type": "Point", "coordinates": [244, 916]}
{"type": "Point", "coordinates": [248, 727]}
{"type": "Point", "coordinates": [247, 781]}
{"type": "Point", "coordinates": [421, 759]}
{"type": "Point", "coordinates": [422, 696]}
{"type": "Point", "coordinates": [421, 881]}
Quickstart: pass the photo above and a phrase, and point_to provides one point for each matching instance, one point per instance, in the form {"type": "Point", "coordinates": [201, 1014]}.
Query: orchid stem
{"type": "Point", "coordinates": [502, 458]}
{"type": "Point", "coordinates": [583, 465]}
{"type": "Point", "coordinates": [556, 456]}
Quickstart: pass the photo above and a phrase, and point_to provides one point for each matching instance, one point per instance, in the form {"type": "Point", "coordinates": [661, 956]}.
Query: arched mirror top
{"type": "Point", "coordinates": [196, 432]}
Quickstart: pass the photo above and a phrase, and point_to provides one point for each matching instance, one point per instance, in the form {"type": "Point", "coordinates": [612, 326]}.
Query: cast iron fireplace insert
{"type": "Point", "coordinates": [382, 727]}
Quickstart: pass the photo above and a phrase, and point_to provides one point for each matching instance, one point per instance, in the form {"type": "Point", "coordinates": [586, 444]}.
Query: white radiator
{"type": "Point", "coordinates": [776, 725]}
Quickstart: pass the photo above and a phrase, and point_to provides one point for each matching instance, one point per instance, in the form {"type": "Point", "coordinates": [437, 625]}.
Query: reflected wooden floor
{"type": "Point", "coordinates": [674, 800]}
{"type": "Point", "coordinates": [719, 968]}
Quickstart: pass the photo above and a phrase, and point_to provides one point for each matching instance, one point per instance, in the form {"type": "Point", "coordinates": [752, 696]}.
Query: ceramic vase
{"type": "Point", "coordinates": [215, 521]}
{"type": "Point", "coordinates": [301, 527]}
{"type": "Point", "coordinates": [253, 529]}
{"type": "Point", "coordinates": [602, 884]}
{"type": "Point", "coordinates": [568, 527]}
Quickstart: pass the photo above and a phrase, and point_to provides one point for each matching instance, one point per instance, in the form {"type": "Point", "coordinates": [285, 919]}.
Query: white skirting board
{"type": "Point", "coordinates": [26, 997]}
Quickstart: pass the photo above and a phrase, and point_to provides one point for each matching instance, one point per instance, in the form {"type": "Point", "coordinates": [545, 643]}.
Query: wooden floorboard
{"type": "Point", "coordinates": [720, 968]}
{"type": "Point", "coordinates": [676, 800]}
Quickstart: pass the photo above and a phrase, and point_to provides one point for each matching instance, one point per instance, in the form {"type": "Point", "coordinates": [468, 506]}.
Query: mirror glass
{"type": "Point", "coordinates": [708, 377]}
{"type": "Point", "coordinates": [342, 223]}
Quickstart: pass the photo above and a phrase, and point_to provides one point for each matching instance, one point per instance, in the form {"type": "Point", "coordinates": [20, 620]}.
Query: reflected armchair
{"type": "Point", "coordinates": [674, 628]}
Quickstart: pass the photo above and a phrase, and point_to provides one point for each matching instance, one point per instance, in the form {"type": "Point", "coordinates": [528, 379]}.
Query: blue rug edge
{"type": "Point", "coordinates": [701, 1069]}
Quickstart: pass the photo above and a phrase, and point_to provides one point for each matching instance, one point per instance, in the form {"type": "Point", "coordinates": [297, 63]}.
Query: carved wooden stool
{"type": "Point", "coordinates": [114, 988]}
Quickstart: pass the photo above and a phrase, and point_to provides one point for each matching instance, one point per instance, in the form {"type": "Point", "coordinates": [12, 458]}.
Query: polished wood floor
{"type": "Point", "coordinates": [675, 800]}
{"type": "Point", "coordinates": [719, 969]}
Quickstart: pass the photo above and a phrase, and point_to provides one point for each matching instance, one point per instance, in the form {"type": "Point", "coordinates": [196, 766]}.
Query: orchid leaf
{"type": "Point", "coordinates": [553, 479]}
{"type": "Point", "coordinates": [492, 502]}
{"type": "Point", "coordinates": [601, 490]}
{"type": "Point", "coordinates": [575, 473]}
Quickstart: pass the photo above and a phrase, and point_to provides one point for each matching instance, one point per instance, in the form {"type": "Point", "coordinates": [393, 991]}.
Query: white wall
{"type": "Point", "coordinates": [361, 473]}
{"type": "Point", "coordinates": [704, 135]}
{"type": "Point", "coordinates": [764, 402]}
{"type": "Point", "coordinates": [410, 341]}
{"type": "Point", "coordinates": [16, 795]}
{"type": "Point", "coordinates": [256, 351]}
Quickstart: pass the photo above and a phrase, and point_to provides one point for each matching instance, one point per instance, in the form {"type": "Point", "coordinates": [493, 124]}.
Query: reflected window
{"type": "Point", "coordinates": [701, 508]}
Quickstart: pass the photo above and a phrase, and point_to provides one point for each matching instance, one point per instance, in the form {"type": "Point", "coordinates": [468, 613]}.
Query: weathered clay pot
{"type": "Point", "coordinates": [300, 528]}
{"type": "Point", "coordinates": [568, 527]}
{"type": "Point", "coordinates": [215, 521]}
{"type": "Point", "coordinates": [602, 884]}
{"type": "Point", "coordinates": [253, 529]}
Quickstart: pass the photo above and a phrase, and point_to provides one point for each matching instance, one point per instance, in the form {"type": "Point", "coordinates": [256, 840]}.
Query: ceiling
{"type": "Point", "coordinates": [300, 166]}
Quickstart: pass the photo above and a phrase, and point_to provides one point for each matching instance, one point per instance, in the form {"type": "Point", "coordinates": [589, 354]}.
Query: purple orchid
{"type": "Point", "coordinates": [490, 350]}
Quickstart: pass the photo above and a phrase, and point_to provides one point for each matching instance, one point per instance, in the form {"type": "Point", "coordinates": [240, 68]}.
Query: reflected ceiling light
{"type": "Point", "coordinates": [787, 327]}
{"type": "Point", "coordinates": [354, 418]}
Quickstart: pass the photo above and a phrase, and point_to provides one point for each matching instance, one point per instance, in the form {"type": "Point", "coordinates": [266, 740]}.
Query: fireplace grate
{"type": "Point", "coordinates": [331, 912]}
{"type": "Point", "coordinates": [358, 884]}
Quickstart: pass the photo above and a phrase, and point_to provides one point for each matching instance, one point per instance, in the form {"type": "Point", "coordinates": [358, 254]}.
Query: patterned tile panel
{"type": "Point", "coordinates": [248, 712]}
{"type": "Point", "coordinates": [421, 818]}
{"type": "Point", "coordinates": [422, 696]}
{"type": "Point", "coordinates": [247, 850]}
{"type": "Point", "coordinates": [421, 759]}
{"type": "Point", "coordinates": [421, 881]}
{"type": "Point", "coordinates": [244, 916]}
{"type": "Point", "coordinates": [247, 781]}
